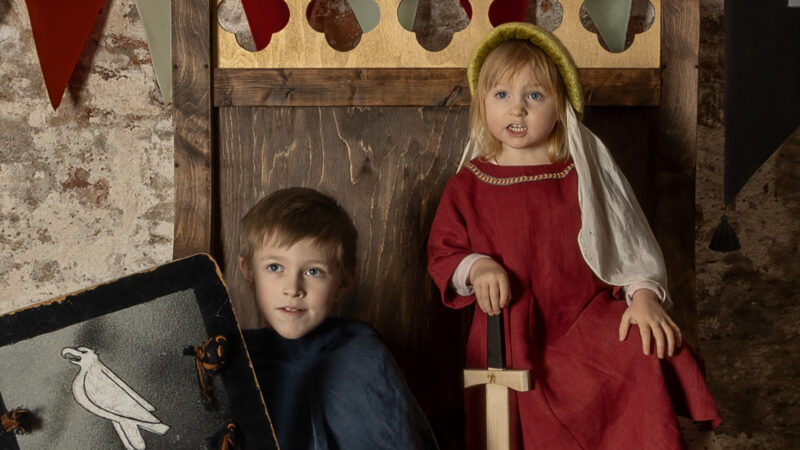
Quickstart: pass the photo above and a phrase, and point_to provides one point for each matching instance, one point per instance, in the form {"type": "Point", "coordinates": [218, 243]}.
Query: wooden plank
{"type": "Point", "coordinates": [194, 162]}
{"type": "Point", "coordinates": [387, 167]}
{"type": "Point", "coordinates": [675, 175]}
{"type": "Point", "coordinates": [405, 87]}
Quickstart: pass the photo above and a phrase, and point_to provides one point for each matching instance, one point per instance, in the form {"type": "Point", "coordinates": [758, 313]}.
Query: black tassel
{"type": "Point", "coordinates": [724, 239]}
{"type": "Point", "coordinates": [228, 438]}
{"type": "Point", "coordinates": [209, 359]}
{"type": "Point", "coordinates": [18, 421]}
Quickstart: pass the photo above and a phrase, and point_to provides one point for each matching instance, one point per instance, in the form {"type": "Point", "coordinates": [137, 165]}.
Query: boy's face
{"type": "Point", "coordinates": [296, 286]}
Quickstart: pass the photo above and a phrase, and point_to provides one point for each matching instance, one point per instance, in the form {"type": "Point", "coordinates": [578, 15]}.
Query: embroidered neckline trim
{"type": "Point", "coordinates": [486, 178]}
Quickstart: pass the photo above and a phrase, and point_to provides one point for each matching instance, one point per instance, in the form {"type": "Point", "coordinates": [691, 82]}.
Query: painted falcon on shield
{"type": "Point", "coordinates": [102, 393]}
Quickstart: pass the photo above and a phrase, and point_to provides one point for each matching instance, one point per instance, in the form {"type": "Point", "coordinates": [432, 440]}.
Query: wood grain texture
{"type": "Point", "coordinates": [387, 167]}
{"type": "Point", "coordinates": [674, 226]}
{"type": "Point", "coordinates": [405, 87]}
{"type": "Point", "coordinates": [389, 45]}
{"type": "Point", "coordinates": [194, 158]}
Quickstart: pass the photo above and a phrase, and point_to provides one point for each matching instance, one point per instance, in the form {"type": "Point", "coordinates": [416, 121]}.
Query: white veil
{"type": "Point", "coordinates": [615, 238]}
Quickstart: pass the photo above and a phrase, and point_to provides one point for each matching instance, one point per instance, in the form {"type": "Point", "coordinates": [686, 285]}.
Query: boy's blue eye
{"type": "Point", "coordinates": [535, 96]}
{"type": "Point", "coordinates": [274, 267]}
{"type": "Point", "coordinates": [501, 94]}
{"type": "Point", "coordinates": [315, 272]}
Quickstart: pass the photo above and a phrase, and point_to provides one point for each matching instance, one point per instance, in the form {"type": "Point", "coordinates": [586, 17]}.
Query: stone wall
{"type": "Point", "coordinates": [747, 301]}
{"type": "Point", "coordinates": [86, 195]}
{"type": "Point", "coordinates": [85, 192]}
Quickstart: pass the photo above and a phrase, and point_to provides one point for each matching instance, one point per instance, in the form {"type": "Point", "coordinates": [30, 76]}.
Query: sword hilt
{"type": "Point", "coordinates": [495, 342]}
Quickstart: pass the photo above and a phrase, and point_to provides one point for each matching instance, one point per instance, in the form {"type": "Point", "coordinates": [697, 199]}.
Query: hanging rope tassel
{"type": "Point", "coordinates": [724, 239]}
{"type": "Point", "coordinates": [209, 358]}
{"type": "Point", "coordinates": [17, 421]}
{"type": "Point", "coordinates": [227, 438]}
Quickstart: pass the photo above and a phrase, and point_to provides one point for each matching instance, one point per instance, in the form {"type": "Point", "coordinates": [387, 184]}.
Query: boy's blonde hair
{"type": "Point", "coordinates": [506, 60]}
{"type": "Point", "coordinates": [288, 216]}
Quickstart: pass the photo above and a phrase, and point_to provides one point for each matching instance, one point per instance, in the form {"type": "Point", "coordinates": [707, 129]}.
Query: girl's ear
{"type": "Point", "coordinates": [348, 280]}
{"type": "Point", "coordinates": [247, 272]}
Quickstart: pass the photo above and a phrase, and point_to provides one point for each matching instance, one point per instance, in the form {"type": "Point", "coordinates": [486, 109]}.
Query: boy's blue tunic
{"type": "Point", "coordinates": [337, 387]}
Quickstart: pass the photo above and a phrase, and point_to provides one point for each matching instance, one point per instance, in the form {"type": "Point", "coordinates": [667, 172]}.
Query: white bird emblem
{"type": "Point", "coordinates": [98, 390]}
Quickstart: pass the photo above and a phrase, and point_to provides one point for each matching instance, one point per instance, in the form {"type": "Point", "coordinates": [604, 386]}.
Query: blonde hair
{"type": "Point", "coordinates": [507, 59]}
{"type": "Point", "coordinates": [288, 216]}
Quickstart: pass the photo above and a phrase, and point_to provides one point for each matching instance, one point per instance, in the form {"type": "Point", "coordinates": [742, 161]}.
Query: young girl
{"type": "Point", "coordinates": [543, 226]}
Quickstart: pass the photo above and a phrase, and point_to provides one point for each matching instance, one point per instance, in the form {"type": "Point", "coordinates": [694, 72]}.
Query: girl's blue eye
{"type": "Point", "coordinates": [501, 95]}
{"type": "Point", "coordinates": [315, 272]}
{"type": "Point", "coordinates": [535, 96]}
{"type": "Point", "coordinates": [274, 267]}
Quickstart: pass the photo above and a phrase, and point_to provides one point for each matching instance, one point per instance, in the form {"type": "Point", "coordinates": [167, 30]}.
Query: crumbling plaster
{"type": "Point", "coordinates": [86, 193]}
{"type": "Point", "coordinates": [747, 301]}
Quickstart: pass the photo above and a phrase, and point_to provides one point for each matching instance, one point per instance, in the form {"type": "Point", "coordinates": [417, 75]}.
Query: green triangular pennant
{"type": "Point", "coordinates": [611, 19]}
{"type": "Point", "coordinates": [157, 20]}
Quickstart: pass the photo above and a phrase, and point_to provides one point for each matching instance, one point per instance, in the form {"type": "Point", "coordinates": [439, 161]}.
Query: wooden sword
{"type": "Point", "coordinates": [498, 380]}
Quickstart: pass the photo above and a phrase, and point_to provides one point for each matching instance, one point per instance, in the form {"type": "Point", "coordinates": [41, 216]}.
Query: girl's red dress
{"type": "Point", "coordinates": [588, 389]}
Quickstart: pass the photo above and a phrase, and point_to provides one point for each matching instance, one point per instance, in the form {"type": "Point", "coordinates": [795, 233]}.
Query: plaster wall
{"type": "Point", "coordinates": [747, 301]}
{"type": "Point", "coordinates": [86, 195]}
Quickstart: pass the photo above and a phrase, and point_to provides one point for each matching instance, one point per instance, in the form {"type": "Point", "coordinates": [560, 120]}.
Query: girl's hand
{"type": "Point", "coordinates": [490, 282]}
{"type": "Point", "coordinates": [646, 311]}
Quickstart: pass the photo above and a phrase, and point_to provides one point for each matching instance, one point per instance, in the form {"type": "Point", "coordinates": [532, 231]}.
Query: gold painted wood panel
{"type": "Point", "coordinates": [390, 45]}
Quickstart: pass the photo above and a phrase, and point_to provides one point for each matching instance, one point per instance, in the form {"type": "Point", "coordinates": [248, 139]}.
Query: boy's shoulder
{"type": "Point", "coordinates": [355, 334]}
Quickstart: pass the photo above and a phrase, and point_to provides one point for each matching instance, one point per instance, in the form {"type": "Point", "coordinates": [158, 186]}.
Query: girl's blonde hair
{"type": "Point", "coordinates": [506, 60]}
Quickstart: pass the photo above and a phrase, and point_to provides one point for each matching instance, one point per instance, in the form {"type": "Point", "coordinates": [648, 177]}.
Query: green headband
{"type": "Point", "coordinates": [551, 46]}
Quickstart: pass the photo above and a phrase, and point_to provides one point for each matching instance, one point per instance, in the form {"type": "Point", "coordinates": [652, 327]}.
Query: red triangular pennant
{"type": "Point", "coordinates": [60, 29]}
{"type": "Point", "coordinates": [265, 18]}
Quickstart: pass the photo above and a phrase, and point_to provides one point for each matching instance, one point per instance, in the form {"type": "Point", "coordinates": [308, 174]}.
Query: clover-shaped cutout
{"type": "Point", "coordinates": [253, 22]}
{"type": "Point", "coordinates": [342, 21]}
{"type": "Point", "coordinates": [642, 15]}
{"type": "Point", "coordinates": [434, 22]}
{"type": "Point", "coordinates": [547, 14]}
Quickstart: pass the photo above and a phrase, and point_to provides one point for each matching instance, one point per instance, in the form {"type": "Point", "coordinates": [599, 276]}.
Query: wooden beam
{"type": "Point", "coordinates": [405, 87]}
{"type": "Point", "coordinates": [675, 172]}
{"type": "Point", "coordinates": [194, 156]}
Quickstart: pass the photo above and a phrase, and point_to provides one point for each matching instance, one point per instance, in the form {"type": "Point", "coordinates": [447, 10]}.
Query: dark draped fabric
{"type": "Point", "coordinates": [762, 85]}
{"type": "Point", "coordinates": [337, 387]}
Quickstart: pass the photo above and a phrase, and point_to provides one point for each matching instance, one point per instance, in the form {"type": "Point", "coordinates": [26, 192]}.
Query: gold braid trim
{"type": "Point", "coordinates": [516, 180]}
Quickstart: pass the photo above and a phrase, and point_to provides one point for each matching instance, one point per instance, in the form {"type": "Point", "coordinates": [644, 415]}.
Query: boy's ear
{"type": "Point", "coordinates": [247, 272]}
{"type": "Point", "coordinates": [348, 280]}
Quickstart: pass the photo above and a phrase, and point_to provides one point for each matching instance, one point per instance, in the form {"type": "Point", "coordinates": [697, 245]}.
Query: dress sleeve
{"type": "Point", "coordinates": [448, 245]}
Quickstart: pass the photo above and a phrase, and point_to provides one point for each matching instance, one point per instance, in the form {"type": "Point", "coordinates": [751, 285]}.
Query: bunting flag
{"type": "Point", "coordinates": [367, 13]}
{"type": "Point", "coordinates": [265, 18]}
{"type": "Point", "coordinates": [60, 30]}
{"type": "Point", "coordinates": [762, 93]}
{"type": "Point", "coordinates": [406, 13]}
{"type": "Point", "coordinates": [611, 19]}
{"type": "Point", "coordinates": [156, 17]}
{"type": "Point", "coordinates": [762, 85]}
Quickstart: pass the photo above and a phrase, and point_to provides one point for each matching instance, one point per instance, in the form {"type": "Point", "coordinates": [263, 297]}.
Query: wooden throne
{"type": "Point", "coordinates": [383, 139]}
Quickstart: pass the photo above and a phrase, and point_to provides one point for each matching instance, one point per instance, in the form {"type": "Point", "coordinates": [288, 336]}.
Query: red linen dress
{"type": "Point", "coordinates": [588, 389]}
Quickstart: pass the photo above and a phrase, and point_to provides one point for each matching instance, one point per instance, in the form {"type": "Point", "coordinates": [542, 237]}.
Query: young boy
{"type": "Point", "coordinates": [328, 383]}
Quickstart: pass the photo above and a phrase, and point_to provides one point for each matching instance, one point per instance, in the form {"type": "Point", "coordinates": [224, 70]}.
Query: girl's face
{"type": "Point", "coordinates": [521, 115]}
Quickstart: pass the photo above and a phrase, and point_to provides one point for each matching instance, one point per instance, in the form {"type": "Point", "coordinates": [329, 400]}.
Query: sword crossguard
{"type": "Point", "coordinates": [498, 382]}
{"type": "Point", "coordinates": [518, 380]}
